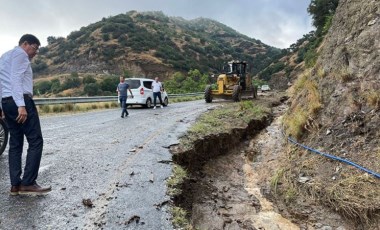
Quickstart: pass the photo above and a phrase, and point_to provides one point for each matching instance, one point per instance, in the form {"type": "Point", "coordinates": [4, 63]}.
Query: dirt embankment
{"type": "Point", "coordinates": [335, 109]}
{"type": "Point", "coordinates": [232, 176]}
{"type": "Point", "coordinates": [221, 190]}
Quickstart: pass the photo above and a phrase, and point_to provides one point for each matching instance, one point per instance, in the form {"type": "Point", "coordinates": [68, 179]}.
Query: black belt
{"type": "Point", "coordinates": [26, 96]}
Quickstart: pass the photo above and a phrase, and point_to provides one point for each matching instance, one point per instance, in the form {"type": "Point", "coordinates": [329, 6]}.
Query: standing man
{"type": "Point", "coordinates": [21, 115]}
{"type": "Point", "coordinates": [157, 89]}
{"type": "Point", "coordinates": [122, 88]}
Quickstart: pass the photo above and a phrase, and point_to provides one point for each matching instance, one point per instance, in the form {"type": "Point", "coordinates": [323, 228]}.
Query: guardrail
{"type": "Point", "coordinates": [73, 100]}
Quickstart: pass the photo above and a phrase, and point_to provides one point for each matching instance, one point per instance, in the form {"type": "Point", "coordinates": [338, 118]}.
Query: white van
{"type": "Point", "coordinates": [265, 88]}
{"type": "Point", "coordinates": [142, 92]}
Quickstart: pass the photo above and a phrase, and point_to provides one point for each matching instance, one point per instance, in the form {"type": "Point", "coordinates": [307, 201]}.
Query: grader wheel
{"type": "Point", "coordinates": [236, 93]}
{"type": "Point", "coordinates": [208, 95]}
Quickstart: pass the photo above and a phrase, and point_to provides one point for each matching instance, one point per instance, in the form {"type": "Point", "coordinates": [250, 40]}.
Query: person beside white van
{"type": "Point", "coordinates": [157, 89]}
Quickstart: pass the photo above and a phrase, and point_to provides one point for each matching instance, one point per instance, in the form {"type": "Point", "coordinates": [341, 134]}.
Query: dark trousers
{"type": "Point", "coordinates": [155, 95]}
{"type": "Point", "coordinates": [31, 129]}
{"type": "Point", "coordinates": [123, 105]}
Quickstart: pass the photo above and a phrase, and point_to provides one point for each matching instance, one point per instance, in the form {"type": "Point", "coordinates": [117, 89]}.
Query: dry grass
{"type": "Point", "coordinates": [343, 75]}
{"type": "Point", "coordinates": [69, 108]}
{"type": "Point", "coordinates": [278, 176]}
{"type": "Point", "coordinates": [300, 83]}
{"type": "Point", "coordinates": [321, 73]}
{"type": "Point", "coordinates": [372, 98]}
{"type": "Point", "coordinates": [179, 218]}
{"type": "Point", "coordinates": [226, 117]}
{"type": "Point", "coordinates": [355, 196]}
{"type": "Point", "coordinates": [188, 98]}
{"type": "Point", "coordinates": [179, 175]}
{"type": "Point", "coordinates": [301, 115]}
{"type": "Point", "coordinates": [295, 122]}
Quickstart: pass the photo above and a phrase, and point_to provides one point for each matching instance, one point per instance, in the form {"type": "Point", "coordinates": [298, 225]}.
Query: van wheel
{"type": "Point", "coordinates": [166, 101]}
{"type": "Point", "coordinates": [148, 103]}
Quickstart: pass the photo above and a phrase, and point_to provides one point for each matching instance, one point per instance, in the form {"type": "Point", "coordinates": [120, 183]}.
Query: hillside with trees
{"type": "Point", "coordinates": [151, 44]}
{"type": "Point", "coordinates": [144, 44]}
{"type": "Point", "coordinates": [304, 52]}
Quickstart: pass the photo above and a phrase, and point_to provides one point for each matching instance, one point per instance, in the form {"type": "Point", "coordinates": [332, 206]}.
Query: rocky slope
{"type": "Point", "coordinates": [335, 108]}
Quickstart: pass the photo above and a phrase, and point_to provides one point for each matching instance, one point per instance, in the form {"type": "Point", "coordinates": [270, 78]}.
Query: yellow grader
{"type": "Point", "coordinates": [233, 84]}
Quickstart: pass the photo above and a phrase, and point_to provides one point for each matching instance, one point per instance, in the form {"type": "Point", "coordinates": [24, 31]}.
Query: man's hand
{"type": "Point", "coordinates": [22, 115]}
{"type": "Point", "coordinates": [2, 115]}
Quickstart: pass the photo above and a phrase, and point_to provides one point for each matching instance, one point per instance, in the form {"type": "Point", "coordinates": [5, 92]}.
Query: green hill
{"type": "Point", "coordinates": [151, 44]}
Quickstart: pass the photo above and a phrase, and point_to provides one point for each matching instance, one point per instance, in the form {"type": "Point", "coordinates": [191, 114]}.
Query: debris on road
{"type": "Point", "coordinates": [134, 218]}
{"type": "Point", "coordinates": [87, 203]}
{"type": "Point", "coordinates": [165, 161]}
{"type": "Point", "coordinates": [151, 179]}
{"type": "Point", "coordinates": [160, 205]}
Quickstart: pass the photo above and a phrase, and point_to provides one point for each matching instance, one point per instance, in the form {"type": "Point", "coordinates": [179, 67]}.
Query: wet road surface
{"type": "Point", "coordinates": [120, 165]}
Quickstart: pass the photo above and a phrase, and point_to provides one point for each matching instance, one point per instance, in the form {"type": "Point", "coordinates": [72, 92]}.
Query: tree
{"type": "Point", "coordinates": [71, 82]}
{"type": "Point", "coordinates": [109, 84]}
{"type": "Point", "coordinates": [42, 87]}
{"type": "Point", "coordinates": [91, 89]}
{"type": "Point", "coordinates": [88, 79]}
{"type": "Point", "coordinates": [39, 66]}
{"type": "Point", "coordinates": [321, 10]}
{"type": "Point", "coordinates": [55, 85]}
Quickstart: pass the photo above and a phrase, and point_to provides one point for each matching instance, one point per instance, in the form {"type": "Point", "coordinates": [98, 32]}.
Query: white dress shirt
{"type": "Point", "coordinates": [156, 85]}
{"type": "Point", "coordinates": [16, 75]}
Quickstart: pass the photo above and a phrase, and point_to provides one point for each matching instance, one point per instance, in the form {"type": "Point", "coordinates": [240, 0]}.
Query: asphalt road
{"type": "Point", "coordinates": [118, 165]}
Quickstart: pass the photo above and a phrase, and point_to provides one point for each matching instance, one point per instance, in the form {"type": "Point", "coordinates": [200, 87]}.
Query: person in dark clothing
{"type": "Point", "coordinates": [122, 89]}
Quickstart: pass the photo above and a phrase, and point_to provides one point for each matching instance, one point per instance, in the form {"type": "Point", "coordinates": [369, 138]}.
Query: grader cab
{"type": "Point", "coordinates": [233, 84]}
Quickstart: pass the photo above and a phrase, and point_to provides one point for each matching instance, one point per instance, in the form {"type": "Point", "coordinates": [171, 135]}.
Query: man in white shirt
{"type": "Point", "coordinates": [157, 89]}
{"type": "Point", "coordinates": [21, 115]}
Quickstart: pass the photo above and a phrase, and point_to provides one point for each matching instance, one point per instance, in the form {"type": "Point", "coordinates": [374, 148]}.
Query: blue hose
{"type": "Point", "coordinates": [336, 158]}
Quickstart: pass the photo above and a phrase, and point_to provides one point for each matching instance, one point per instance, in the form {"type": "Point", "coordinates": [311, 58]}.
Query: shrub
{"type": "Point", "coordinates": [68, 107]}
{"type": "Point", "coordinates": [88, 79]}
{"type": "Point", "coordinates": [45, 108]}
{"type": "Point", "coordinates": [373, 98]}
{"type": "Point", "coordinates": [91, 89]}
{"type": "Point", "coordinates": [72, 81]}
{"type": "Point", "coordinates": [57, 108]}
{"type": "Point", "coordinates": [42, 87]}
{"type": "Point", "coordinates": [109, 83]}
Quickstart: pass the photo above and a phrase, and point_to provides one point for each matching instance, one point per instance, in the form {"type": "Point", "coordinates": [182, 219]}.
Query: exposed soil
{"type": "Point", "coordinates": [229, 185]}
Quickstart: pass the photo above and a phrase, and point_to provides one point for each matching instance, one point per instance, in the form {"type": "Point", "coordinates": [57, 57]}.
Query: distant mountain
{"type": "Point", "coordinates": [151, 44]}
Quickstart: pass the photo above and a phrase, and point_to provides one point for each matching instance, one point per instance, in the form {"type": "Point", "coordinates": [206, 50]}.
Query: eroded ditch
{"type": "Point", "coordinates": [223, 191]}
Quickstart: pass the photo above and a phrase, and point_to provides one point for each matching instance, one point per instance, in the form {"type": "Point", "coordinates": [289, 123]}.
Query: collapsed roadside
{"type": "Point", "coordinates": [226, 172]}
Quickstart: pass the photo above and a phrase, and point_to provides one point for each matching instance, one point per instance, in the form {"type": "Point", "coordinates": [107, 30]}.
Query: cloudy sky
{"type": "Point", "coordinates": [278, 23]}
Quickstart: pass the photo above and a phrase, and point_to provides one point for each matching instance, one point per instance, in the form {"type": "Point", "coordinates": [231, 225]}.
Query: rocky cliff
{"type": "Point", "coordinates": [336, 109]}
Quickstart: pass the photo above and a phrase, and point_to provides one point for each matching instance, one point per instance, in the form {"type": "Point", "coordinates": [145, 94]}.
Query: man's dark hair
{"type": "Point", "coordinates": [30, 39]}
